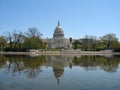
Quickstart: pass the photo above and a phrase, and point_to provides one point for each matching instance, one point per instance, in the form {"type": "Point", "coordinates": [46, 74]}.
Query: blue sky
{"type": "Point", "coordinates": [77, 17]}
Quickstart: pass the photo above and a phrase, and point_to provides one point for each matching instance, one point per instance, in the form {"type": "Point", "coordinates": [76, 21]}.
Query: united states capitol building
{"type": "Point", "coordinates": [58, 40]}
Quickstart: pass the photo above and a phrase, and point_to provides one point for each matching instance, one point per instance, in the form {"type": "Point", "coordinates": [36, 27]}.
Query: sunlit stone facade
{"type": "Point", "coordinates": [58, 40]}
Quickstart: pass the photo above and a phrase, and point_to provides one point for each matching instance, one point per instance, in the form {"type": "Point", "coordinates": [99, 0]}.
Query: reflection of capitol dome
{"type": "Point", "coordinates": [58, 33]}
{"type": "Point", "coordinates": [58, 72]}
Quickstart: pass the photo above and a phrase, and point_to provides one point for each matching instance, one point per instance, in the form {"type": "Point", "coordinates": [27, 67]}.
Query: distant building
{"type": "Point", "coordinates": [58, 40]}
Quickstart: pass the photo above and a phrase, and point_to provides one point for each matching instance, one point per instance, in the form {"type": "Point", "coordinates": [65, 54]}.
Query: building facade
{"type": "Point", "coordinates": [58, 40]}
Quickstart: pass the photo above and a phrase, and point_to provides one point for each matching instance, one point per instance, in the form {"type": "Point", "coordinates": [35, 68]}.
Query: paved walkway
{"type": "Point", "coordinates": [63, 53]}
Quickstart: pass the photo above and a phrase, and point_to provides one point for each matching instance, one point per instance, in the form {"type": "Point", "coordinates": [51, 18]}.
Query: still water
{"type": "Point", "coordinates": [59, 72]}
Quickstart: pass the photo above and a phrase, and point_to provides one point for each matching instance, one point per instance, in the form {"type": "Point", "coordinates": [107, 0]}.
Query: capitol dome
{"type": "Point", "coordinates": [58, 33]}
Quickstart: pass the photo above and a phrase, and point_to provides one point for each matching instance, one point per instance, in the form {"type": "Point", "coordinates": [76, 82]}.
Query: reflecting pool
{"type": "Point", "coordinates": [59, 72]}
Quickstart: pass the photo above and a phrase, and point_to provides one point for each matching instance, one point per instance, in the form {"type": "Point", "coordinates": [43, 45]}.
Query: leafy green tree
{"type": "Point", "coordinates": [33, 39]}
{"type": "Point", "coordinates": [100, 45]}
{"type": "Point", "coordinates": [108, 39]}
{"type": "Point", "coordinates": [33, 42]}
{"type": "Point", "coordinates": [76, 44]}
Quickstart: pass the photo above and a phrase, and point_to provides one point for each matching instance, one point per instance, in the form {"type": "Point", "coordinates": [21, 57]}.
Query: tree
{"type": "Point", "coordinates": [15, 40]}
{"type": "Point", "coordinates": [33, 39]}
{"type": "Point", "coordinates": [3, 42]}
{"type": "Point", "coordinates": [76, 43]}
{"type": "Point", "coordinates": [92, 42]}
{"type": "Point", "coordinates": [9, 38]}
{"type": "Point", "coordinates": [33, 43]}
{"type": "Point", "coordinates": [89, 42]}
{"type": "Point", "coordinates": [33, 32]}
{"type": "Point", "coordinates": [18, 39]}
{"type": "Point", "coordinates": [100, 45]}
{"type": "Point", "coordinates": [108, 39]}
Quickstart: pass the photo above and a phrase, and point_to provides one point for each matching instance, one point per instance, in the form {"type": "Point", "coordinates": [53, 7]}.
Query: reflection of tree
{"type": "Point", "coordinates": [19, 63]}
{"type": "Point", "coordinates": [2, 60]}
{"type": "Point", "coordinates": [93, 62]}
{"type": "Point", "coordinates": [33, 65]}
{"type": "Point", "coordinates": [88, 62]}
{"type": "Point", "coordinates": [34, 62]}
{"type": "Point", "coordinates": [14, 64]}
{"type": "Point", "coordinates": [32, 73]}
{"type": "Point", "coordinates": [111, 65]}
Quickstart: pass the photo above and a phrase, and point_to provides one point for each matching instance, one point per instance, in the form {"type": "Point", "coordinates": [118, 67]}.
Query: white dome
{"type": "Point", "coordinates": [58, 33]}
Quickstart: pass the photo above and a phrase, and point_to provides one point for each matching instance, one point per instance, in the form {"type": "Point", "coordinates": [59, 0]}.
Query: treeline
{"type": "Point", "coordinates": [31, 39]}
{"type": "Point", "coordinates": [89, 43]}
{"type": "Point", "coordinates": [19, 41]}
{"type": "Point", "coordinates": [107, 64]}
